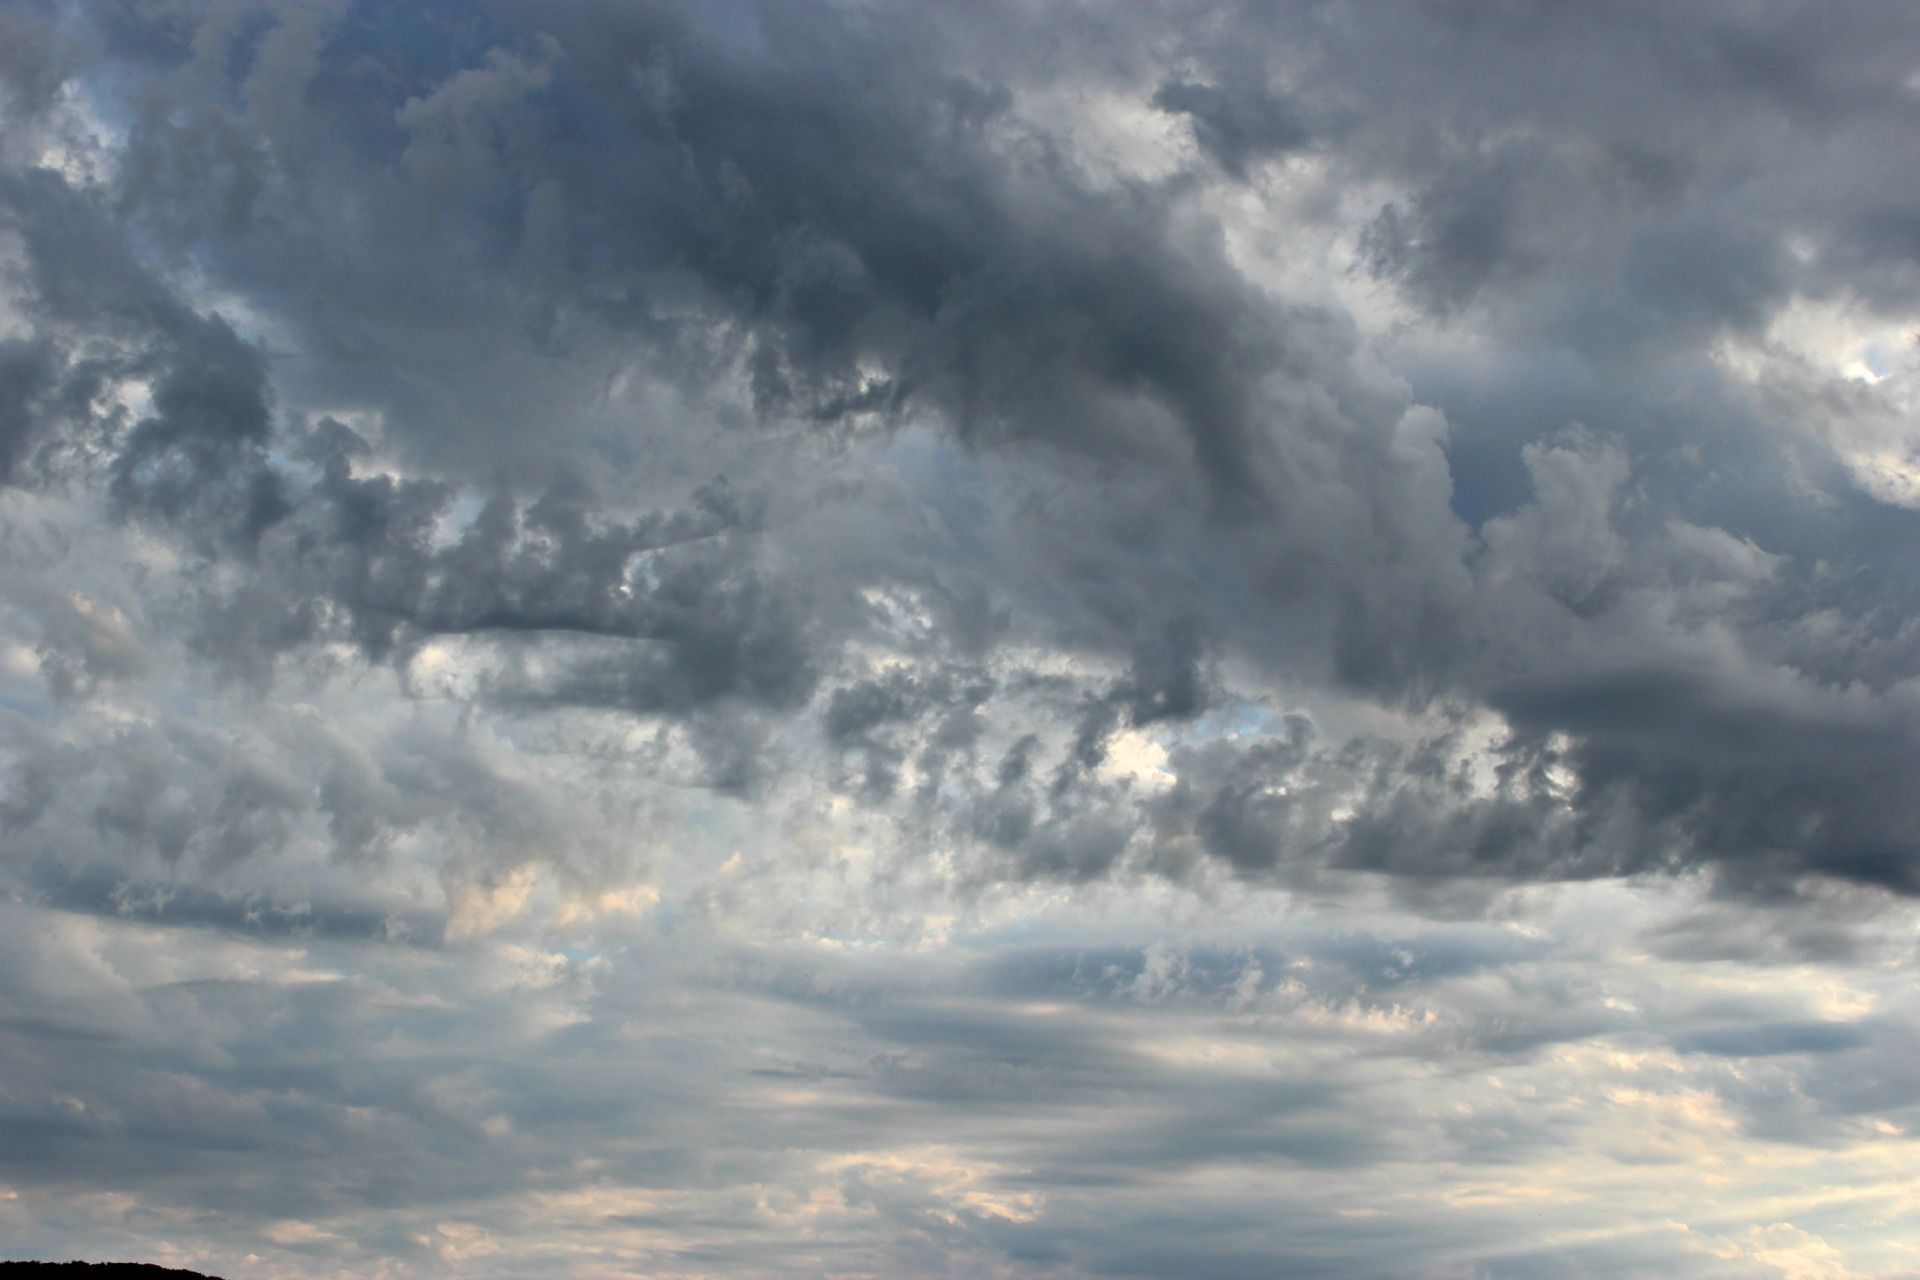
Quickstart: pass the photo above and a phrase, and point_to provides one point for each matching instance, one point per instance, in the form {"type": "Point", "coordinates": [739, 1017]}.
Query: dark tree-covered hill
{"type": "Point", "coordinates": [95, 1271]}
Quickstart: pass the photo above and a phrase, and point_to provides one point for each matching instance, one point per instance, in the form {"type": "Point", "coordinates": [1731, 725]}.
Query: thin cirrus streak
{"type": "Point", "coordinates": [668, 639]}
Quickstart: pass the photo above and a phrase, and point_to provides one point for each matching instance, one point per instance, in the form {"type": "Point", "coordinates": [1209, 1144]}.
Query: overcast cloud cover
{"type": "Point", "coordinates": [1003, 639]}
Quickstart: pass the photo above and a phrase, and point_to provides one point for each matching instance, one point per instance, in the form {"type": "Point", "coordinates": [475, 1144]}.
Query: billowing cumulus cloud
{"type": "Point", "coordinates": [894, 639]}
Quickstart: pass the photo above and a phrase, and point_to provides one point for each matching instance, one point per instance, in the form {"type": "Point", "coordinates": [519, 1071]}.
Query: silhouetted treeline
{"type": "Point", "coordinates": [94, 1271]}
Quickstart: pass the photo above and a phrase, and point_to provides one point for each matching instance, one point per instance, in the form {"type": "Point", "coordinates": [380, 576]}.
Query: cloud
{"type": "Point", "coordinates": [656, 638]}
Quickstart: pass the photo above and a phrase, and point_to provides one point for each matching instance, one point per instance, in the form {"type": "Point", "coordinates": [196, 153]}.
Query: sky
{"type": "Point", "coordinates": [1010, 641]}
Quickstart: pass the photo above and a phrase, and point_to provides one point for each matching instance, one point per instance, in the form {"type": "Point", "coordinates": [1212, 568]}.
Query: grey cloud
{"type": "Point", "coordinates": [34, 65]}
{"type": "Point", "coordinates": [1465, 233]}
{"type": "Point", "coordinates": [1772, 790]}
{"type": "Point", "coordinates": [1201, 639]}
{"type": "Point", "coordinates": [1235, 128]}
{"type": "Point", "coordinates": [968, 303]}
{"type": "Point", "coordinates": [26, 374]}
{"type": "Point", "coordinates": [1766, 1040]}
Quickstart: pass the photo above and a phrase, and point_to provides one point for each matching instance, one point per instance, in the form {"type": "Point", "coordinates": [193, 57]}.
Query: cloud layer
{"type": "Point", "coordinates": [691, 639]}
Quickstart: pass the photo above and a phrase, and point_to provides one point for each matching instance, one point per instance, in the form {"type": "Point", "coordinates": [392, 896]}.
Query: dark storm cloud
{"type": "Point", "coordinates": [26, 373]}
{"type": "Point", "coordinates": [981, 272]}
{"type": "Point", "coordinates": [1235, 127]}
{"type": "Point", "coordinates": [1755, 78]}
{"type": "Point", "coordinates": [852, 218]}
{"type": "Point", "coordinates": [331, 554]}
{"type": "Point", "coordinates": [34, 64]}
{"type": "Point", "coordinates": [1740, 777]}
